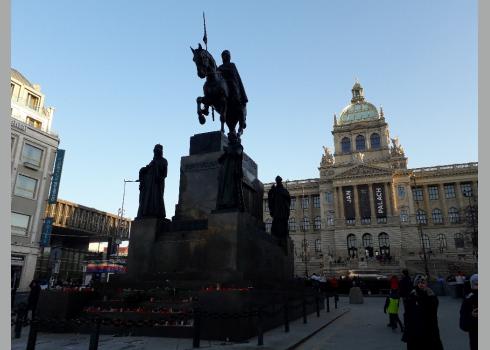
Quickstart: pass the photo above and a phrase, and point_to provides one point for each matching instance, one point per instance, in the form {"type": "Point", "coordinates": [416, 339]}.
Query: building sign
{"type": "Point", "coordinates": [379, 200]}
{"type": "Point", "coordinates": [55, 181]}
{"type": "Point", "coordinates": [363, 191]}
{"type": "Point", "coordinates": [18, 125]}
{"type": "Point", "coordinates": [348, 195]}
{"type": "Point", "coordinates": [46, 233]}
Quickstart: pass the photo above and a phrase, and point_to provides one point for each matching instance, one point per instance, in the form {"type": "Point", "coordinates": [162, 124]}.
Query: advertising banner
{"type": "Point", "coordinates": [55, 181]}
{"type": "Point", "coordinates": [46, 232]}
{"type": "Point", "coordinates": [379, 200]}
{"type": "Point", "coordinates": [348, 194]}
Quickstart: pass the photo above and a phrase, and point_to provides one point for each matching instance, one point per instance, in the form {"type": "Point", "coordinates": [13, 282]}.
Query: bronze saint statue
{"type": "Point", "coordinates": [230, 190]}
{"type": "Point", "coordinates": [279, 202]}
{"type": "Point", "coordinates": [152, 186]}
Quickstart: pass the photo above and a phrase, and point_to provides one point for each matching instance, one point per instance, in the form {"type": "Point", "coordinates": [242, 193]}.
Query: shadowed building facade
{"type": "Point", "coordinates": [368, 210]}
{"type": "Point", "coordinates": [33, 151]}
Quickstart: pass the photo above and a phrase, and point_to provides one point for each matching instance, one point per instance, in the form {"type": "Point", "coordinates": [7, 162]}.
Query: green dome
{"type": "Point", "coordinates": [359, 109]}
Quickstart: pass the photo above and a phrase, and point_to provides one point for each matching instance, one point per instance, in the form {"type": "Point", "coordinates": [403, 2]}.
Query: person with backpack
{"type": "Point", "coordinates": [392, 305]}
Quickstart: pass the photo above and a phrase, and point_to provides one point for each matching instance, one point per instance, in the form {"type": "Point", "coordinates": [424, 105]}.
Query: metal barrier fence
{"type": "Point", "coordinates": [197, 314]}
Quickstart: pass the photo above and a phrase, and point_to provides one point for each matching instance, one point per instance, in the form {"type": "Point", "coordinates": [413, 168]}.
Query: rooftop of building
{"type": "Point", "coordinates": [359, 109]}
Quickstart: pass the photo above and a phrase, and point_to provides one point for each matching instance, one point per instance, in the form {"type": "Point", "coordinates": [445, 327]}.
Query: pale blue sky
{"type": "Point", "coordinates": [121, 77]}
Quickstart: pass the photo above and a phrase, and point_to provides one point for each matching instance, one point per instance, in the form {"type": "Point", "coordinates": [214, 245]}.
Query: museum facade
{"type": "Point", "coordinates": [367, 210]}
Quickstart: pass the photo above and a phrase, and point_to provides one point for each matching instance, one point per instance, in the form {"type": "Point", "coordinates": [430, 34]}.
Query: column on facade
{"type": "Point", "coordinates": [426, 208]}
{"type": "Point", "coordinates": [341, 205]}
{"type": "Point", "coordinates": [388, 199]}
{"type": "Point", "coordinates": [372, 202]}
{"type": "Point", "coordinates": [356, 202]}
{"type": "Point", "coordinates": [442, 201]}
{"type": "Point", "coordinates": [459, 195]}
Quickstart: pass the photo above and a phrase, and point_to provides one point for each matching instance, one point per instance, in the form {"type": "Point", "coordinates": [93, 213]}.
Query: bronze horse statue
{"type": "Point", "coordinates": [218, 94]}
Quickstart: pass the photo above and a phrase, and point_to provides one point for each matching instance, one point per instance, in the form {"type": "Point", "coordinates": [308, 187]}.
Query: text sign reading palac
{"type": "Point", "coordinates": [379, 200]}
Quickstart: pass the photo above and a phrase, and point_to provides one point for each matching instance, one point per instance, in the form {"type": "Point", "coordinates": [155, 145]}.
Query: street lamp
{"type": "Point", "coordinates": [120, 213]}
{"type": "Point", "coordinates": [421, 232]}
{"type": "Point", "coordinates": [472, 220]}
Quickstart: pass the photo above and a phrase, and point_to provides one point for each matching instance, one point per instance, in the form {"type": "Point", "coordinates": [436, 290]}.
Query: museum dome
{"type": "Point", "coordinates": [359, 109]}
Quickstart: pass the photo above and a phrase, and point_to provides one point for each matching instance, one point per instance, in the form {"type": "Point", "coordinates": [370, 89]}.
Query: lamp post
{"type": "Point", "coordinates": [472, 220]}
{"type": "Point", "coordinates": [421, 232]}
{"type": "Point", "coordinates": [120, 213]}
{"type": "Point", "coordinates": [305, 242]}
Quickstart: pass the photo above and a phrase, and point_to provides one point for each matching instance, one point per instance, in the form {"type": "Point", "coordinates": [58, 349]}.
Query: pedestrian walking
{"type": "Point", "coordinates": [392, 305]}
{"type": "Point", "coordinates": [33, 297]}
{"type": "Point", "coordinates": [468, 314]}
{"type": "Point", "coordinates": [421, 324]}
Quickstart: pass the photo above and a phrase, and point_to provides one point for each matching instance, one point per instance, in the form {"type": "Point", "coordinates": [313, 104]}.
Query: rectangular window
{"type": "Point", "coordinates": [12, 87]}
{"type": "Point", "coordinates": [329, 197]}
{"type": "Point", "coordinates": [433, 192]}
{"type": "Point", "coordinates": [305, 202]}
{"type": "Point", "coordinates": [34, 122]}
{"type": "Point", "coordinates": [266, 205]}
{"type": "Point", "coordinates": [318, 245]}
{"type": "Point", "coordinates": [449, 191]}
{"type": "Point", "coordinates": [316, 201]}
{"type": "Point", "coordinates": [418, 194]}
{"type": "Point", "coordinates": [330, 220]}
{"type": "Point", "coordinates": [32, 155]}
{"type": "Point", "coordinates": [466, 189]}
{"type": "Point", "coordinates": [33, 101]}
{"type": "Point", "coordinates": [19, 223]}
{"type": "Point", "coordinates": [293, 203]}
{"type": "Point", "coordinates": [404, 215]}
{"type": "Point", "coordinates": [25, 186]}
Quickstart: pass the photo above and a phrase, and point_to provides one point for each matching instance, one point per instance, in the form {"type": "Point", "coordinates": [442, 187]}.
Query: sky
{"type": "Point", "coordinates": [121, 78]}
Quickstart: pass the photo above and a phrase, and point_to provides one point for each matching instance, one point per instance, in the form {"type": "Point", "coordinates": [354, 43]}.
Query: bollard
{"type": "Point", "coordinates": [31, 341]}
{"type": "Point", "coordinates": [317, 304]}
{"type": "Point", "coordinates": [94, 337]}
{"type": "Point", "coordinates": [328, 303]}
{"type": "Point", "coordinates": [196, 336]}
{"type": "Point", "coordinates": [336, 298]}
{"type": "Point", "coordinates": [260, 330]}
{"type": "Point", "coordinates": [286, 317]}
{"type": "Point", "coordinates": [304, 310]}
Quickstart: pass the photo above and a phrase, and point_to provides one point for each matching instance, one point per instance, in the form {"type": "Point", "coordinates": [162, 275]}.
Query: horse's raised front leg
{"type": "Point", "coordinates": [201, 112]}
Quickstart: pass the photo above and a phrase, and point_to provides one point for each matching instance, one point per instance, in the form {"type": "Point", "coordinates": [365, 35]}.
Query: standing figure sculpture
{"type": "Point", "coordinates": [279, 202]}
{"type": "Point", "coordinates": [152, 186]}
{"type": "Point", "coordinates": [223, 91]}
{"type": "Point", "coordinates": [230, 190]}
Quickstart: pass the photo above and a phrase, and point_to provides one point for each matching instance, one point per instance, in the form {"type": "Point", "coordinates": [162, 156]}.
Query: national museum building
{"type": "Point", "coordinates": [367, 210]}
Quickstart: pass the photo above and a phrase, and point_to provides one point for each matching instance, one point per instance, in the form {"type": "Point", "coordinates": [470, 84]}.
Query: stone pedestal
{"type": "Point", "coordinates": [199, 173]}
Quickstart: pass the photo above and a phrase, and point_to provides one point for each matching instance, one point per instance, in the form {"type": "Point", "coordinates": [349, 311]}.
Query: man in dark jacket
{"type": "Point", "coordinates": [421, 324]}
{"type": "Point", "coordinates": [468, 315]}
{"type": "Point", "coordinates": [33, 296]}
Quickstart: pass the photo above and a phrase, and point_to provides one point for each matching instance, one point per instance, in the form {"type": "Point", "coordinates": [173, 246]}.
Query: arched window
{"type": "Point", "coordinates": [360, 143]}
{"type": "Point", "coordinates": [384, 244]}
{"type": "Point", "coordinates": [345, 143]}
{"type": "Point", "coordinates": [367, 240]}
{"type": "Point", "coordinates": [318, 223]}
{"type": "Point", "coordinates": [375, 141]}
{"type": "Point", "coordinates": [292, 224]}
{"type": "Point", "coordinates": [367, 243]}
{"type": "Point", "coordinates": [437, 216]}
{"type": "Point", "coordinates": [421, 217]}
{"type": "Point", "coordinates": [441, 238]}
{"type": "Point", "coordinates": [454, 215]}
{"type": "Point", "coordinates": [384, 240]}
{"type": "Point", "coordinates": [352, 245]}
{"type": "Point", "coordinates": [458, 240]}
{"type": "Point", "coordinates": [425, 241]}
{"type": "Point", "coordinates": [305, 224]}
{"type": "Point", "coordinates": [268, 225]}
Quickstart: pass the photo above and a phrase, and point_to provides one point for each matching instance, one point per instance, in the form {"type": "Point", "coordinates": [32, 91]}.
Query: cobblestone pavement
{"type": "Point", "coordinates": [364, 327]}
{"type": "Point", "coordinates": [361, 327]}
